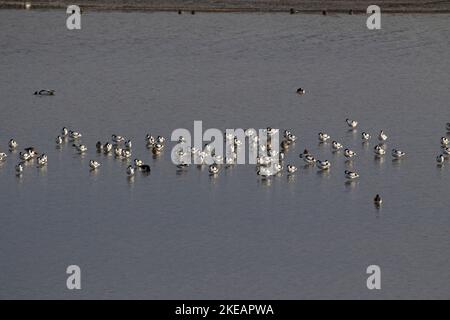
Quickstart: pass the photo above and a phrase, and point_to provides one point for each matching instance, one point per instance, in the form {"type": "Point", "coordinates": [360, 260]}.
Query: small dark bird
{"type": "Point", "coordinates": [44, 92]}
{"type": "Point", "coordinates": [301, 91]}
{"type": "Point", "coordinates": [99, 146]}
{"type": "Point", "coordinates": [324, 12]}
{"type": "Point", "coordinates": [378, 201]}
{"type": "Point", "coordinates": [145, 168]}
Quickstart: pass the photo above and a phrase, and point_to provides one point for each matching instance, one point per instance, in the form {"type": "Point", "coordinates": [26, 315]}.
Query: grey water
{"type": "Point", "coordinates": [186, 235]}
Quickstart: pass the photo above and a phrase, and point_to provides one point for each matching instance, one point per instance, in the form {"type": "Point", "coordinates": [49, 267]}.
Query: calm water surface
{"type": "Point", "coordinates": [189, 236]}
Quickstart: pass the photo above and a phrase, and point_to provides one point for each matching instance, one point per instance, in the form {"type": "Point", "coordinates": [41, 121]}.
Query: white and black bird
{"type": "Point", "coordinates": [397, 154]}
{"type": "Point", "coordinates": [118, 151]}
{"type": "Point", "coordinates": [3, 156]}
{"type": "Point", "coordinates": [64, 132]}
{"type": "Point", "coordinates": [94, 164]}
{"type": "Point", "coordinates": [291, 169]}
{"type": "Point", "coordinates": [309, 159]}
{"type": "Point", "coordinates": [378, 200]}
{"type": "Point", "coordinates": [440, 159]}
{"type": "Point", "coordinates": [382, 136]}
{"type": "Point", "coordinates": [117, 139]}
{"type": "Point", "coordinates": [81, 148]}
{"type": "Point", "coordinates": [42, 159]}
{"type": "Point", "coordinates": [323, 137]}
{"type": "Point", "coordinates": [379, 151]}
{"type": "Point", "coordinates": [74, 135]}
{"type": "Point", "coordinates": [13, 144]}
{"type": "Point", "coordinates": [351, 175]}
{"type": "Point", "coordinates": [446, 151]}
{"type": "Point", "coordinates": [130, 171]}
{"type": "Point", "coordinates": [447, 126]}
{"type": "Point", "coordinates": [107, 148]}
{"type": "Point", "coordinates": [291, 137]}
{"type": "Point", "coordinates": [59, 140]}
{"type": "Point", "coordinates": [126, 153]}
{"type": "Point", "coordinates": [301, 91]}
{"type": "Point", "coordinates": [323, 165]}
{"type": "Point", "coordinates": [150, 140]}
{"type": "Point", "coordinates": [444, 141]}
{"type": "Point", "coordinates": [19, 167]}
{"type": "Point", "coordinates": [349, 153]}
{"type": "Point", "coordinates": [44, 92]}
{"type": "Point", "coordinates": [25, 156]}
{"type": "Point", "coordinates": [365, 136]}
{"type": "Point", "coordinates": [160, 140]}
{"type": "Point", "coordinates": [213, 169]}
{"type": "Point", "coordinates": [336, 146]}
{"type": "Point", "coordinates": [351, 123]}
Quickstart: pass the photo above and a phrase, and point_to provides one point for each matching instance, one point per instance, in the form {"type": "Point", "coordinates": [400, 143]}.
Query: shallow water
{"type": "Point", "coordinates": [190, 236]}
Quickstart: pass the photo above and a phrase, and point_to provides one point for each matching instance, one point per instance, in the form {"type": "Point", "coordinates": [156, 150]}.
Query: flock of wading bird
{"type": "Point", "coordinates": [269, 161]}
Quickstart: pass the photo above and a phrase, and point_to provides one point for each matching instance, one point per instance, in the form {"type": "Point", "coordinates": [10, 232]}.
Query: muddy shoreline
{"type": "Point", "coordinates": [288, 6]}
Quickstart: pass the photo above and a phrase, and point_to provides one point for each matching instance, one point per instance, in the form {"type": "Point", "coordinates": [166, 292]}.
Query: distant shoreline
{"type": "Point", "coordinates": [223, 6]}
